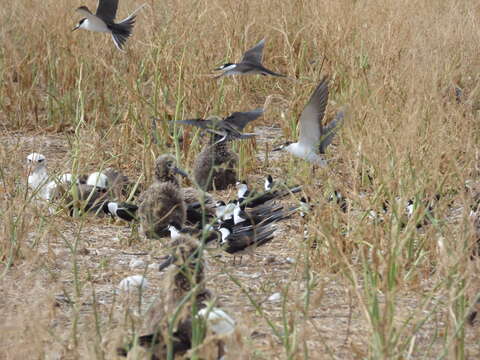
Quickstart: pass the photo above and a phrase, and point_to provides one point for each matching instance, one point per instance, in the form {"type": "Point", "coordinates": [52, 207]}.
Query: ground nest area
{"type": "Point", "coordinates": [385, 264]}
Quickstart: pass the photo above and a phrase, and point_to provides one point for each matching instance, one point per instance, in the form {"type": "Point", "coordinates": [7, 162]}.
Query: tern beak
{"type": "Point", "coordinates": [278, 148]}
{"type": "Point", "coordinates": [75, 28]}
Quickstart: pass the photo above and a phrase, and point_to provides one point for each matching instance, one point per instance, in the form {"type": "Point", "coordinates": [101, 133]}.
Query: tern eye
{"type": "Point", "coordinates": [40, 160]}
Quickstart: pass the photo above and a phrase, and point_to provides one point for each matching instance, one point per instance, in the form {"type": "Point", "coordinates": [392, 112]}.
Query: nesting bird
{"type": "Point", "coordinates": [98, 179]}
{"type": "Point", "coordinates": [262, 215]}
{"type": "Point", "coordinates": [163, 202]}
{"type": "Point", "coordinates": [215, 166]}
{"type": "Point", "coordinates": [238, 239]}
{"type": "Point", "coordinates": [103, 21]}
{"type": "Point", "coordinates": [37, 175]}
{"type": "Point", "coordinates": [253, 198]}
{"type": "Point", "coordinates": [250, 64]}
{"type": "Point", "coordinates": [314, 137]}
{"type": "Point", "coordinates": [121, 210]}
{"type": "Point", "coordinates": [117, 183]}
{"type": "Point", "coordinates": [42, 184]}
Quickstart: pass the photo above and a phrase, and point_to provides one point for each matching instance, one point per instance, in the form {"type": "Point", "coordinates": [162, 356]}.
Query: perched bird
{"type": "Point", "coordinates": [314, 137]}
{"type": "Point", "coordinates": [98, 179]}
{"type": "Point", "coordinates": [103, 21]}
{"type": "Point", "coordinates": [122, 210]}
{"type": "Point", "coordinates": [239, 240]}
{"type": "Point", "coordinates": [223, 211]}
{"type": "Point", "coordinates": [259, 215]}
{"type": "Point", "coordinates": [253, 199]}
{"type": "Point", "coordinates": [46, 187]}
{"type": "Point", "coordinates": [83, 193]}
{"type": "Point", "coordinates": [185, 282]}
{"type": "Point", "coordinates": [118, 185]}
{"type": "Point", "coordinates": [163, 202]}
{"type": "Point", "coordinates": [37, 175]}
{"type": "Point", "coordinates": [86, 197]}
{"type": "Point", "coordinates": [251, 63]}
{"type": "Point", "coordinates": [233, 239]}
{"type": "Point", "coordinates": [215, 166]}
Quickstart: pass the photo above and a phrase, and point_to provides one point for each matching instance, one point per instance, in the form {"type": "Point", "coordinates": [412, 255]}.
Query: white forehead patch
{"type": "Point", "coordinates": [35, 157]}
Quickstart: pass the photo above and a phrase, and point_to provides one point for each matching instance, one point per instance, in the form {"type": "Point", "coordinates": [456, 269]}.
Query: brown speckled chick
{"type": "Point", "coordinates": [215, 167]}
{"type": "Point", "coordinates": [184, 285]}
{"type": "Point", "coordinates": [163, 202]}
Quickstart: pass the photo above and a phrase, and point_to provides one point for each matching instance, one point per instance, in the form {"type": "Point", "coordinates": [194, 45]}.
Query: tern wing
{"type": "Point", "coordinates": [238, 120]}
{"type": "Point", "coordinates": [83, 10]}
{"type": "Point", "coordinates": [329, 131]}
{"type": "Point", "coordinates": [255, 54]}
{"type": "Point", "coordinates": [107, 10]}
{"type": "Point", "coordinates": [312, 115]}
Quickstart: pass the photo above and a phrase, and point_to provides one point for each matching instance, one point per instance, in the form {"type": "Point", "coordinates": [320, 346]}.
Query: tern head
{"type": "Point", "coordinates": [81, 24]}
{"type": "Point", "coordinates": [175, 230]}
{"type": "Point", "coordinates": [220, 209]}
{"type": "Point", "coordinates": [220, 203]}
{"type": "Point", "coordinates": [35, 161]}
{"type": "Point", "coordinates": [225, 231]}
{"type": "Point", "coordinates": [110, 208]}
{"type": "Point", "coordinates": [98, 179]}
{"type": "Point", "coordinates": [242, 189]}
{"type": "Point", "coordinates": [268, 183]}
{"type": "Point", "coordinates": [166, 169]}
{"type": "Point", "coordinates": [283, 146]}
{"type": "Point", "coordinates": [226, 66]}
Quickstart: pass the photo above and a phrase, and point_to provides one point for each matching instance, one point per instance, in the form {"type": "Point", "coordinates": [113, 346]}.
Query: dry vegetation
{"type": "Point", "coordinates": [368, 290]}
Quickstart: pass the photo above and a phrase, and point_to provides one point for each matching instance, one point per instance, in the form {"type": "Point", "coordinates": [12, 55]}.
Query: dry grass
{"type": "Point", "coordinates": [369, 290]}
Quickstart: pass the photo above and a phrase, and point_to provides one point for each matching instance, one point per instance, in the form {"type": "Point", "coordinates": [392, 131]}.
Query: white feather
{"type": "Point", "coordinates": [93, 23]}
{"type": "Point", "coordinates": [174, 233]}
{"type": "Point", "coordinates": [242, 189]}
{"type": "Point", "coordinates": [133, 282]}
{"type": "Point", "coordinates": [218, 321]}
{"type": "Point", "coordinates": [112, 207]}
{"type": "Point", "coordinates": [98, 179]}
{"type": "Point", "coordinates": [306, 152]}
{"type": "Point", "coordinates": [237, 219]}
{"type": "Point", "coordinates": [225, 233]}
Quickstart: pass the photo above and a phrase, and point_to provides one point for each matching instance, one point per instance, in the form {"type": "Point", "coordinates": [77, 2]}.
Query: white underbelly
{"type": "Point", "coordinates": [306, 153]}
{"type": "Point", "coordinates": [97, 25]}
